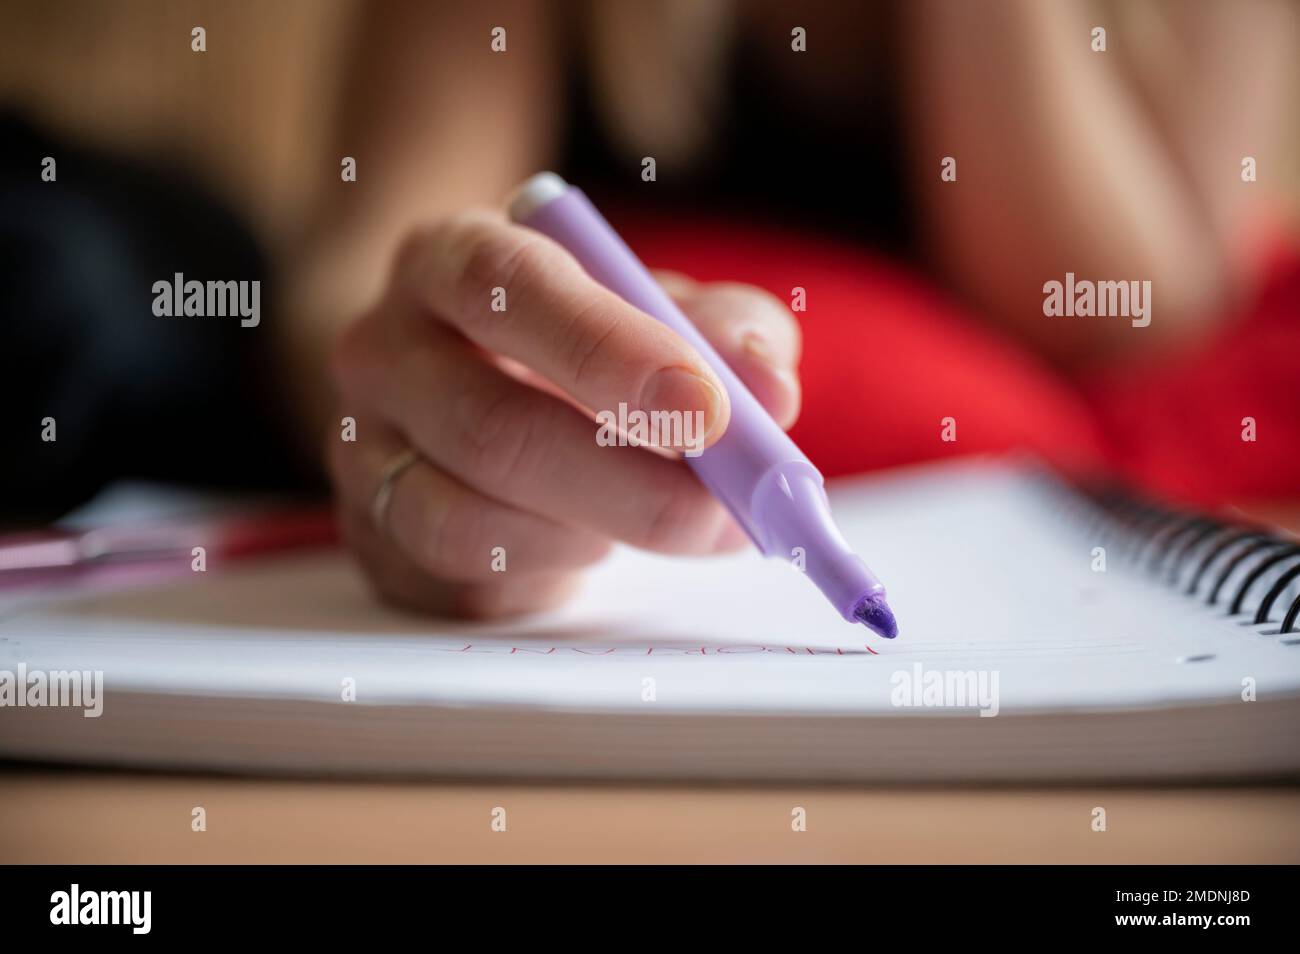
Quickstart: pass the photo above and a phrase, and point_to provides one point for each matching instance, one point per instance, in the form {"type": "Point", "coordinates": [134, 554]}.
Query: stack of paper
{"type": "Point", "coordinates": [1016, 660]}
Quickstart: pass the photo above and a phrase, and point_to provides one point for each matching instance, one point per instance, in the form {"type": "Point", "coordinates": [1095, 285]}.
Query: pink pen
{"type": "Point", "coordinates": [758, 473]}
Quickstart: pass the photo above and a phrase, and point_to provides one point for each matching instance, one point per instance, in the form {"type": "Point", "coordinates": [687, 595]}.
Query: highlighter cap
{"type": "Point", "coordinates": [533, 194]}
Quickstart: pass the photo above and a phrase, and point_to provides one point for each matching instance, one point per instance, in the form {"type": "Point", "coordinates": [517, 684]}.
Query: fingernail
{"type": "Point", "coordinates": [676, 389]}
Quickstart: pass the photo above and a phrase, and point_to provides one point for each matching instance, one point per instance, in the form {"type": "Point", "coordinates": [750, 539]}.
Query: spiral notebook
{"type": "Point", "coordinates": [1046, 635]}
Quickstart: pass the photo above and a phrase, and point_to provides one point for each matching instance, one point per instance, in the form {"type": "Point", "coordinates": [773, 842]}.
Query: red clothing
{"type": "Point", "coordinates": [887, 358]}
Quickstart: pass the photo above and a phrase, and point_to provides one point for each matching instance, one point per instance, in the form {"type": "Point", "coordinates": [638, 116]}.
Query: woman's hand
{"type": "Point", "coordinates": [510, 495]}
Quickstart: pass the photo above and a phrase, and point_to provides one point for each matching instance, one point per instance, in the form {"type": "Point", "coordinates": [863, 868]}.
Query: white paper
{"type": "Point", "coordinates": [983, 571]}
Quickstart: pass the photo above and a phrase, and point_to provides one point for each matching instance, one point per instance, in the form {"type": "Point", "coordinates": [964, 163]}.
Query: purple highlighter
{"type": "Point", "coordinates": [758, 473]}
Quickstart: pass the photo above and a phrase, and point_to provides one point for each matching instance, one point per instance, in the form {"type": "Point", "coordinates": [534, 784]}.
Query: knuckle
{"type": "Point", "coordinates": [353, 353]}
{"type": "Point", "coordinates": [506, 437]}
{"type": "Point", "coordinates": [415, 248]}
{"type": "Point", "coordinates": [493, 257]}
{"type": "Point", "coordinates": [589, 348]}
{"type": "Point", "coordinates": [759, 305]}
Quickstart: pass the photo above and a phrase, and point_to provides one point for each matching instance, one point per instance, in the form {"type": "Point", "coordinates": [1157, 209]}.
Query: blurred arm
{"type": "Point", "coordinates": [1120, 165]}
{"type": "Point", "coordinates": [437, 122]}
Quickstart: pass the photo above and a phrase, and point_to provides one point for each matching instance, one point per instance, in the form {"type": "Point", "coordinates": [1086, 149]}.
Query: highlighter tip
{"type": "Point", "coordinates": [876, 615]}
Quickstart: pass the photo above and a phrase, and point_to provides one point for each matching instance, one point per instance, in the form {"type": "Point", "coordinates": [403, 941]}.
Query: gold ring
{"type": "Point", "coordinates": [394, 468]}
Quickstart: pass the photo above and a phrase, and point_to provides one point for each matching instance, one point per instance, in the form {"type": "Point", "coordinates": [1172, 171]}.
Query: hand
{"type": "Point", "coordinates": [499, 405]}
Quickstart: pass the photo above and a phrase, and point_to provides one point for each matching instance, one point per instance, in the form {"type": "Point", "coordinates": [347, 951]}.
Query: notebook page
{"type": "Point", "coordinates": [990, 584]}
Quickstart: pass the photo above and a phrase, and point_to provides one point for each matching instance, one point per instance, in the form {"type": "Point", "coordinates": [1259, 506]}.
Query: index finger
{"type": "Point", "coordinates": [517, 293]}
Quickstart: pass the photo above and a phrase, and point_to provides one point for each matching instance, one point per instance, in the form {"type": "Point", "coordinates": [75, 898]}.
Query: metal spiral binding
{"type": "Point", "coordinates": [1170, 545]}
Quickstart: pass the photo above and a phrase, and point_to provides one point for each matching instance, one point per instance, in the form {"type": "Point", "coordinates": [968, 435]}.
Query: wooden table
{"type": "Point", "coordinates": [78, 816]}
